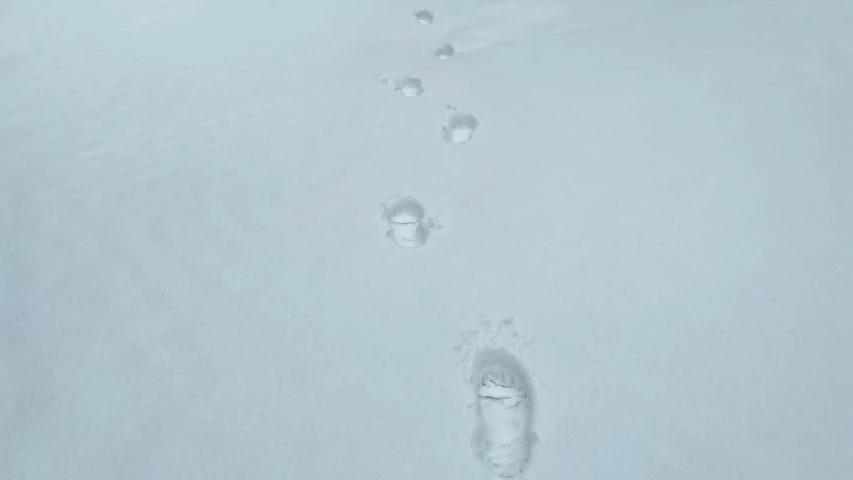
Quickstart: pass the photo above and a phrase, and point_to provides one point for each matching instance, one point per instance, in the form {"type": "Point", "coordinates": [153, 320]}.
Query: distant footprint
{"type": "Point", "coordinates": [424, 17]}
{"type": "Point", "coordinates": [459, 127]}
{"type": "Point", "coordinates": [408, 225]}
{"type": "Point", "coordinates": [407, 86]}
{"type": "Point", "coordinates": [444, 52]}
{"type": "Point", "coordinates": [410, 87]}
{"type": "Point", "coordinates": [503, 436]}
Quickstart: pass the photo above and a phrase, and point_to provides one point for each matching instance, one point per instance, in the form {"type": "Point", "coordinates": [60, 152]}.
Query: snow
{"type": "Point", "coordinates": [653, 216]}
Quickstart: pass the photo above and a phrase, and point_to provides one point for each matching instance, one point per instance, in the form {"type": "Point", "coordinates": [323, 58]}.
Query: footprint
{"type": "Point", "coordinates": [407, 220]}
{"type": "Point", "coordinates": [459, 128]}
{"type": "Point", "coordinates": [408, 86]}
{"type": "Point", "coordinates": [424, 16]}
{"type": "Point", "coordinates": [503, 436]}
{"type": "Point", "coordinates": [444, 52]}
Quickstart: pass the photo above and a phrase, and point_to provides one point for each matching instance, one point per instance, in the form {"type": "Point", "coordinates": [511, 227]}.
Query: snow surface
{"type": "Point", "coordinates": [653, 215]}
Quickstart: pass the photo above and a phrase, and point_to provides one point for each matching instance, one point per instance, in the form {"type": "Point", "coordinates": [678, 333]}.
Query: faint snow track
{"type": "Point", "coordinates": [489, 24]}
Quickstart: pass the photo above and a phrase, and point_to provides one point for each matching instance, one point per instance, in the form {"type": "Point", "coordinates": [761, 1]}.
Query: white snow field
{"type": "Point", "coordinates": [649, 204]}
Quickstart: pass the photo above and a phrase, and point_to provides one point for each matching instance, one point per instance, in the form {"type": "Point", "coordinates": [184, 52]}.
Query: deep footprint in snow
{"type": "Point", "coordinates": [424, 16]}
{"type": "Point", "coordinates": [503, 436]}
{"type": "Point", "coordinates": [459, 128]}
{"type": "Point", "coordinates": [407, 222]}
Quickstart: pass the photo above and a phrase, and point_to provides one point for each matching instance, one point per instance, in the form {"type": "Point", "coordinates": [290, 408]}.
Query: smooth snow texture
{"type": "Point", "coordinates": [195, 281]}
